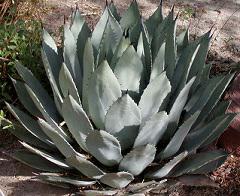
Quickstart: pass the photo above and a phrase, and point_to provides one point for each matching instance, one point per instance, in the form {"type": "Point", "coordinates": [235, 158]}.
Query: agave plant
{"type": "Point", "coordinates": [130, 100]}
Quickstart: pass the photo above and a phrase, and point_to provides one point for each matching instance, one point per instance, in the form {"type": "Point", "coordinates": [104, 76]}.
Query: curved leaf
{"type": "Point", "coordinates": [35, 161]}
{"type": "Point", "coordinates": [64, 179]}
{"type": "Point", "coordinates": [167, 168]}
{"type": "Point", "coordinates": [138, 159]}
{"type": "Point", "coordinates": [63, 146]}
{"type": "Point", "coordinates": [104, 90]}
{"type": "Point", "coordinates": [52, 158]}
{"type": "Point", "coordinates": [177, 140]}
{"type": "Point", "coordinates": [86, 167]}
{"type": "Point", "coordinates": [99, 193]}
{"type": "Point", "coordinates": [198, 161]}
{"type": "Point", "coordinates": [29, 124]}
{"type": "Point", "coordinates": [117, 180]}
{"type": "Point", "coordinates": [104, 147]}
{"type": "Point", "coordinates": [152, 130]}
{"type": "Point", "coordinates": [182, 40]}
{"type": "Point", "coordinates": [77, 121]}
{"type": "Point", "coordinates": [123, 119]}
{"type": "Point", "coordinates": [88, 69]}
{"type": "Point", "coordinates": [154, 95]}
{"type": "Point", "coordinates": [129, 69]}
{"type": "Point", "coordinates": [67, 84]}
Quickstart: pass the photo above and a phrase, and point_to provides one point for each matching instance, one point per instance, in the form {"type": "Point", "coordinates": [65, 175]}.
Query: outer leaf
{"type": "Point", "coordinates": [167, 168]}
{"type": "Point", "coordinates": [113, 10]}
{"type": "Point", "coordinates": [48, 116]}
{"type": "Point", "coordinates": [131, 16]}
{"type": "Point", "coordinates": [35, 161]}
{"type": "Point", "coordinates": [85, 167]}
{"type": "Point", "coordinates": [218, 110]}
{"type": "Point", "coordinates": [177, 140]}
{"type": "Point", "coordinates": [104, 89]}
{"type": "Point", "coordinates": [71, 58]}
{"type": "Point", "coordinates": [123, 119]}
{"type": "Point", "coordinates": [117, 180]}
{"type": "Point", "coordinates": [88, 69]}
{"type": "Point", "coordinates": [25, 98]}
{"type": "Point", "coordinates": [67, 84]}
{"type": "Point", "coordinates": [99, 29]}
{"type": "Point", "coordinates": [104, 147]}
{"type": "Point", "coordinates": [138, 159]}
{"type": "Point", "coordinates": [194, 140]}
{"type": "Point", "coordinates": [52, 158]}
{"type": "Point", "coordinates": [129, 68]}
{"type": "Point", "coordinates": [77, 24]}
{"type": "Point", "coordinates": [198, 161]}
{"type": "Point", "coordinates": [154, 20]}
{"type": "Point", "coordinates": [39, 91]}
{"type": "Point", "coordinates": [77, 121]}
{"type": "Point", "coordinates": [159, 63]}
{"type": "Point", "coordinates": [63, 146]}
{"type": "Point", "coordinates": [63, 179]}
{"type": "Point", "coordinates": [30, 124]}
{"type": "Point", "coordinates": [177, 108]}
{"type": "Point", "coordinates": [152, 130]}
{"type": "Point", "coordinates": [182, 40]}
{"type": "Point", "coordinates": [153, 96]}
{"type": "Point", "coordinates": [24, 135]}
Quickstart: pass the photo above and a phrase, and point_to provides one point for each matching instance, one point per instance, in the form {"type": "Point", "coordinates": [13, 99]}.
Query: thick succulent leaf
{"type": "Point", "coordinates": [24, 135]}
{"type": "Point", "coordinates": [71, 58]}
{"type": "Point", "coordinates": [77, 24]}
{"type": "Point", "coordinates": [52, 57]}
{"type": "Point", "coordinates": [65, 179]}
{"type": "Point", "coordinates": [35, 161]}
{"type": "Point", "coordinates": [104, 147]}
{"type": "Point", "coordinates": [183, 66]}
{"type": "Point", "coordinates": [215, 97]}
{"type": "Point", "coordinates": [170, 49]}
{"type": "Point", "coordinates": [29, 124]}
{"type": "Point", "coordinates": [154, 20]}
{"type": "Point", "coordinates": [39, 91]}
{"type": "Point", "coordinates": [48, 116]}
{"type": "Point", "coordinates": [62, 144]}
{"type": "Point", "coordinates": [159, 62]}
{"type": "Point", "coordinates": [219, 131]}
{"type": "Point", "coordinates": [117, 180]}
{"type": "Point", "coordinates": [194, 140]}
{"type": "Point", "coordinates": [53, 81]}
{"type": "Point", "coordinates": [123, 119]}
{"type": "Point", "coordinates": [182, 40]}
{"type": "Point", "coordinates": [177, 108]}
{"type": "Point", "coordinates": [160, 33]}
{"type": "Point", "coordinates": [218, 110]}
{"type": "Point", "coordinates": [167, 168]}
{"type": "Point", "coordinates": [138, 159]}
{"type": "Point", "coordinates": [152, 130]}
{"type": "Point", "coordinates": [25, 98]}
{"type": "Point", "coordinates": [104, 90]}
{"type": "Point", "coordinates": [198, 161]}
{"type": "Point", "coordinates": [129, 68]}
{"type": "Point", "coordinates": [113, 10]}
{"type": "Point", "coordinates": [86, 167]}
{"type": "Point", "coordinates": [199, 60]}
{"type": "Point", "coordinates": [153, 96]}
{"type": "Point", "coordinates": [177, 140]}
{"type": "Point", "coordinates": [77, 121]}
{"type": "Point", "coordinates": [124, 43]}
{"type": "Point", "coordinates": [88, 69]}
{"type": "Point", "coordinates": [131, 16]}
{"type": "Point", "coordinates": [201, 96]}
{"type": "Point", "coordinates": [67, 84]}
{"type": "Point", "coordinates": [99, 193]}
{"type": "Point", "coordinates": [99, 29]}
{"type": "Point", "coordinates": [134, 32]}
{"type": "Point", "coordinates": [50, 157]}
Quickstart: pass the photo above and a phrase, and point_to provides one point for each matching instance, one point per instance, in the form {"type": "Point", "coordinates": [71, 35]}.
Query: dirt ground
{"type": "Point", "coordinates": [16, 179]}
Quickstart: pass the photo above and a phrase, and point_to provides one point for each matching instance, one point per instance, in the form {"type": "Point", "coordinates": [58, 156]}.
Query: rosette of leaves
{"type": "Point", "coordinates": [130, 100]}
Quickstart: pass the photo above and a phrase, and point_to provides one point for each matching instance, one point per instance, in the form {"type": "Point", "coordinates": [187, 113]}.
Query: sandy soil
{"type": "Point", "coordinates": [16, 179]}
